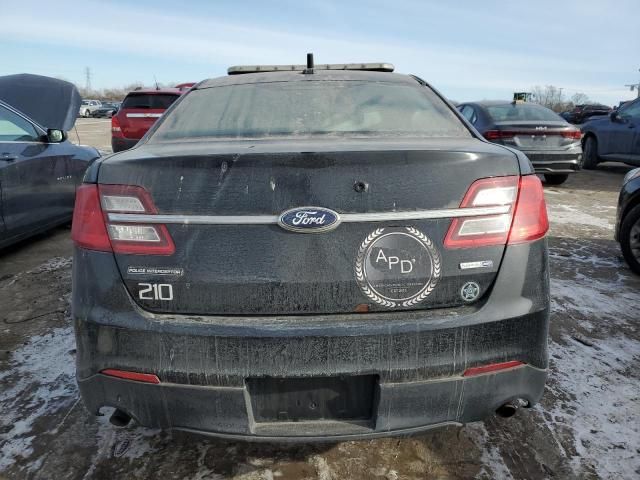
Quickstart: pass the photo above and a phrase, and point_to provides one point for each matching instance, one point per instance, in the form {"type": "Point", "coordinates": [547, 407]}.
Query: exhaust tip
{"type": "Point", "coordinates": [507, 410]}
{"type": "Point", "coordinates": [119, 418]}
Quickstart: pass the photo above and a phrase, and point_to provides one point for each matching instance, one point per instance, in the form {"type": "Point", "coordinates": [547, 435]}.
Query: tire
{"type": "Point", "coordinates": [630, 238]}
{"type": "Point", "coordinates": [86, 114]}
{"type": "Point", "coordinates": [590, 153]}
{"type": "Point", "coordinates": [555, 178]}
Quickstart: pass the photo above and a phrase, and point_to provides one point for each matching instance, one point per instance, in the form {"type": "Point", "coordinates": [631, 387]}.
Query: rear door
{"type": "Point", "coordinates": [139, 112]}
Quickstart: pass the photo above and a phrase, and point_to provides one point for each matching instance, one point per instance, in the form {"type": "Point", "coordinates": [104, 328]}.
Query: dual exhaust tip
{"type": "Point", "coordinates": [509, 409]}
{"type": "Point", "coordinates": [121, 419]}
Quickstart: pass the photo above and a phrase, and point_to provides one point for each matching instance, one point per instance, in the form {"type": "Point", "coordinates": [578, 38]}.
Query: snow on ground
{"type": "Point", "coordinates": [594, 299]}
{"type": "Point", "coordinates": [41, 382]}
{"type": "Point", "coordinates": [493, 465]}
{"type": "Point", "coordinates": [561, 214]}
{"type": "Point", "coordinates": [600, 403]}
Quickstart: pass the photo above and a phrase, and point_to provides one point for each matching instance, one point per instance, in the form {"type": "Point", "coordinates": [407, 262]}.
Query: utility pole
{"type": "Point", "coordinates": [87, 79]}
{"type": "Point", "coordinates": [635, 86]}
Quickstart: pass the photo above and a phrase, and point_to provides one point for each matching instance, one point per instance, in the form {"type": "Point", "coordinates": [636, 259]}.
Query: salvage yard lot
{"type": "Point", "coordinates": [587, 425]}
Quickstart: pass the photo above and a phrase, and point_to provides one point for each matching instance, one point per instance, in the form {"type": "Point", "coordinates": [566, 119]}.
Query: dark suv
{"type": "Point", "coordinates": [139, 111]}
{"type": "Point", "coordinates": [582, 113]}
{"type": "Point", "coordinates": [316, 253]}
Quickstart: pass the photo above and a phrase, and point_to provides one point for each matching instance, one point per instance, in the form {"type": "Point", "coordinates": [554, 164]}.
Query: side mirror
{"type": "Point", "coordinates": [55, 136]}
{"type": "Point", "coordinates": [615, 117]}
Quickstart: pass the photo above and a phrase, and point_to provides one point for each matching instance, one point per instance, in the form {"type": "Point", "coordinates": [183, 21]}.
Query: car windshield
{"type": "Point", "coordinates": [521, 112]}
{"type": "Point", "coordinates": [149, 100]}
{"type": "Point", "coordinates": [311, 108]}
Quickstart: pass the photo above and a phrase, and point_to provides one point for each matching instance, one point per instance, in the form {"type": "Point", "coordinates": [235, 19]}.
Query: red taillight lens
{"type": "Point", "coordinates": [530, 220]}
{"type": "Point", "coordinates": [94, 229]}
{"type": "Point", "coordinates": [492, 135]}
{"type": "Point", "coordinates": [116, 130]}
{"type": "Point", "coordinates": [493, 367]}
{"type": "Point", "coordinates": [526, 220]}
{"type": "Point", "coordinates": [484, 230]}
{"type": "Point", "coordinates": [88, 229]}
{"type": "Point", "coordinates": [135, 376]}
{"type": "Point", "coordinates": [574, 134]}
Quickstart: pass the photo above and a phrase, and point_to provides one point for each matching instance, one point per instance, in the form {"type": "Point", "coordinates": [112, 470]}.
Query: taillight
{"type": "Point", "coordinates": [574, 134]}
{"type": "Point", "coordinates": [530, 220]}
{"type": "Point", "coordinates": [466, 232]}
{"type": "Point", "coordinates": [526, 219]}
{"type": "Point", "coordinates": [88, 229]}
{"type": "Point", "coordinates": [93, 229]}
{"type": "Point", "coordinates": [116, 130]}
{"type": "Point", "coordinates": [492, 135]}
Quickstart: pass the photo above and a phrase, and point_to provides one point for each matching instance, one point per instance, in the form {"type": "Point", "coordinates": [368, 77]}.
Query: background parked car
{"type": "Point", "coordinates": [615, 137]}
{"type": "Point", "coordinates": [88, 107]}
{"type": "Point", "coordinates": [628, 219]}
{"type": "Point", "coordinates": [39, 167]}
{"type": "Point", "coordinates": [550, 142]}
{"type": "Point", "coordinates": [582, 113]}
{"type": "Point", "coordinates": [106, 110]}
{"type": "Point", "coordinates": [139, 111]}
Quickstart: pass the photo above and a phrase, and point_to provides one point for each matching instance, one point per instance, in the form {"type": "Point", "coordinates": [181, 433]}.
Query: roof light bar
{"type": "Point", "coordinates": [370, 67]}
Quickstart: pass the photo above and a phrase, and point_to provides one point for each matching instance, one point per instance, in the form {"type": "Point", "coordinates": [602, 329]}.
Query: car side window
{"type": "Point", "coordinates": [14, 128]}
{"type": "Point", "coordinates": [632, 110]}
{"type": "Point", "coordinates": [469, 113]}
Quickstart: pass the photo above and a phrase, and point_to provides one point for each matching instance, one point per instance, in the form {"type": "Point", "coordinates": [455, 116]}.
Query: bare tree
{"type": "Point", "coordinates": [579, 98]}
{"type": "Point", "coordinates": [551, 97]}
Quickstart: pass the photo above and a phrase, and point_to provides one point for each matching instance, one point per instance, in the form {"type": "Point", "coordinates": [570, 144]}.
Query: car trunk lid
{"type": "Point", "coordinates": [221, 202]}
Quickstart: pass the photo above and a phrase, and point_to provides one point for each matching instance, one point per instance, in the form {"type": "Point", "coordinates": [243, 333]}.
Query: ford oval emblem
{"type": "Point", "coordinates": [309, 220]}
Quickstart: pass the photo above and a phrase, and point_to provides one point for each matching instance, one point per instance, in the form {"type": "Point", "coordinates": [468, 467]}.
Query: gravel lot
{"type": "Point", "coordinates": [587, 425]}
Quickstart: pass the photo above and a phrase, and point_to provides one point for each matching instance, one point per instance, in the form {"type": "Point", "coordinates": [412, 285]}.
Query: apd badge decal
{"type": "Point", "coordinates": [397, 267]}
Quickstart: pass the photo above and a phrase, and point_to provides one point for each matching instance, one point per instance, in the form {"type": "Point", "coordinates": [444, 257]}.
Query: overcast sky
{"type": "Point", "coordinates": [471, 50]}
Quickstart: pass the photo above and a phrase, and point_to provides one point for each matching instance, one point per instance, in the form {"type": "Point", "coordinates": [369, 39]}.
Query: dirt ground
{"type": "Point", "coordinates": [587, 425]}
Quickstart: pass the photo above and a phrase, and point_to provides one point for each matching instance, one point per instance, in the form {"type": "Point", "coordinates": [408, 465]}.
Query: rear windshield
{"type": "Point", "coordinates": [149, 100]}
{"type": "Point", "coordinates": [520, 111]}
{"type": "Point", "coordinates": [310, 108]}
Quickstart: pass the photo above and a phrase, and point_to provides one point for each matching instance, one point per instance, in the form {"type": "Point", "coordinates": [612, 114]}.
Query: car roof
{"type": "Point", "coordinates": [318, 75]}
{"type": "Point", "coordinates": [497, 103]}
{"type": "Point", "coordinates": [157, 91]}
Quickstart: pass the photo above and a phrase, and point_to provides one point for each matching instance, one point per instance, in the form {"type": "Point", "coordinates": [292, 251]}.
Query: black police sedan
{"type": "Point", "coordinates": [39, 167]}
{"type": "Point", "coordinates": [550, 142]}
{"type": "Point", "coordinates": [613, 138]}
{"type": "Point", "coordinates": [304, 253]}
{"type": "Point", "coordinates": [628, 219]}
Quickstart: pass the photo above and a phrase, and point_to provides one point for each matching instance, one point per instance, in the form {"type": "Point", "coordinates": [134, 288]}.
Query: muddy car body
{"type": "Point", "coordinates": [308, 255]}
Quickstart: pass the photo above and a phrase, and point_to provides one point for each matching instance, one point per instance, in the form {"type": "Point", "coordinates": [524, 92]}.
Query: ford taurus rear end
{"type": "Point", "coordinates": [311, 255]}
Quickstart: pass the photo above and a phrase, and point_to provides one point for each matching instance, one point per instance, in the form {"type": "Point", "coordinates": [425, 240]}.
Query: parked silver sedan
{"type": "Point", "coordinates": [551, 143]}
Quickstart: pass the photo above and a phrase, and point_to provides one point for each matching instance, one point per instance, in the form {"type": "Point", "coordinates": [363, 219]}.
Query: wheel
{"type": "Point", "coordinates": [590, 153]}
{"type": "Point", "coordinates": [555, 178]}
{"type": "Point", "coordinates": [85, 114]}
{"type": "Point", "coordinates": [630, 238]}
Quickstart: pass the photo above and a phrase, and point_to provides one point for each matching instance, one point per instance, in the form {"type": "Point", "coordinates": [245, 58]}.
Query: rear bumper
{"type": "Point", "coordinates": [120, 144]}
{"type": "Point", "coordinates": [556, 162]}
{"type": "Point", "coordinates": [417, 358]}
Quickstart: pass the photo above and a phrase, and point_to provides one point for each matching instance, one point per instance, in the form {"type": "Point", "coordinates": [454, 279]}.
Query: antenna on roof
{"type": "Point", "coordinates": [156, 82]}
{"type": "Point", "coordinates": [309, 68]}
